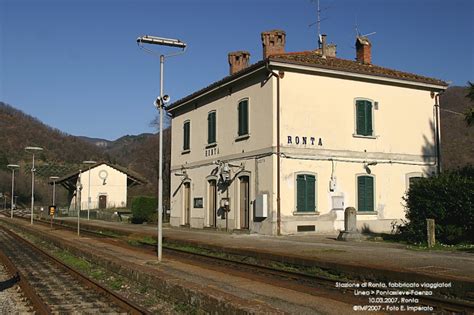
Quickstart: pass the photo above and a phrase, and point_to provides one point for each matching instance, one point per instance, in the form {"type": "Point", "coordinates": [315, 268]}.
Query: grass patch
{"type": "Point", "coordinates": [469, 248]}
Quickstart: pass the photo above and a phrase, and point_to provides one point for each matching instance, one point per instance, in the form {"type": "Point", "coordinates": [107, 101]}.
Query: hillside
{"type": "Point", "coordinates": [64, 153]}
{"type": "Point", "coordinates": [19, 130]}
{"type": "Point", "coordinates": [457, 139]}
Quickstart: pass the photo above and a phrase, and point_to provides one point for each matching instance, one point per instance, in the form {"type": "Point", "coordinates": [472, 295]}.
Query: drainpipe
{"type": "Point", "coordinates": [437, 134]}
{"type": "Point", "coordinates": [278, 149]}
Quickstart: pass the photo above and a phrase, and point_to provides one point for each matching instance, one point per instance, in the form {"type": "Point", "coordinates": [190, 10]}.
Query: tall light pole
{"type": "Point", "coordinates": [13, 167]}
{"type": "Point", "coordinates": [89, 163]}
{"type": "Point", "coordinates": [33, 170]}
{"type": "Point", "coordinates": [78, 202]}
{"type": "Point", "coordinates": [159, 103]}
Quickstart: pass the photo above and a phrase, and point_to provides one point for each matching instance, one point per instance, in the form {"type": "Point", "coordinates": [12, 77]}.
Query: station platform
{"type": "Point", "coordinates": [369, 260]}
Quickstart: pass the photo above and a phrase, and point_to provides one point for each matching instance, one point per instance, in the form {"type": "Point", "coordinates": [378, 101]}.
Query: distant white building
{"type": "Point", "coordinates": [108, 186]}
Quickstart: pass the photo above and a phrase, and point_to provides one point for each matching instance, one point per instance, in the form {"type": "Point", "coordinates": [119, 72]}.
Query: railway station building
{"type": "Point", "coordinates": [283, 146]}
{"type": "Point", "coordinates": [107, 183]}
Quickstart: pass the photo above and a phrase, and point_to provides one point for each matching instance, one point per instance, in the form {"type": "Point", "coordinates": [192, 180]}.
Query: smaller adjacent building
{"type": "Point", "coordinates": [105, 184]}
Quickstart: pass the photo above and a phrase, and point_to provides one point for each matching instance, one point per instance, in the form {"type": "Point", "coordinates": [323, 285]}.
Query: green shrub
{"type": "Point", "coordinates": [144, 209]}
{"type": "Point", "coordinates": [448, 199]}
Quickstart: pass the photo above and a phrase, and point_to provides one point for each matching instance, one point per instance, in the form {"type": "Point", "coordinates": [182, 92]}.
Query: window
{"type": "Point", "coordinates": [186, 135]}
{"type": "Point", "coordinates": [365, 193]}
{"type": "Point", "coordinates": [211, 127]}
{"type": "Point", "coordinates": [412, 178]}
{"type": "Point", "coordinates": [305, 193]}
{"type": "Point", "coordinates": [243, 117]}
{"type": "Point", "coordinates": [364, 118]}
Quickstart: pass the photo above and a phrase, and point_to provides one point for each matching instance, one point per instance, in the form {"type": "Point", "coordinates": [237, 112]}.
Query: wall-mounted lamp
{"type": "Point", "coordinates": [367, 164]}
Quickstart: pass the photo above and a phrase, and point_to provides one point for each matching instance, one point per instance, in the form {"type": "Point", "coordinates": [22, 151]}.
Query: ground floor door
{"type": "Point", "coordinates": [244, 202]}
{"type": "Point", "coordinates": [102, 202]}
{"type": "Point", "coordinates": [187, 203]}
{"type": "Point", "coordinates": [212, 202]}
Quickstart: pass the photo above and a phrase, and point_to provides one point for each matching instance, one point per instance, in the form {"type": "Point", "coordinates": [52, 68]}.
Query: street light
{"type": "Point", "coordinates": [160, 103]}
{"type": "Point", "coordinates": [89, 163]}
{"type": "Point", "coordinates": [33, 170]}
{"type": "Point", "coordinates": [13, 167]}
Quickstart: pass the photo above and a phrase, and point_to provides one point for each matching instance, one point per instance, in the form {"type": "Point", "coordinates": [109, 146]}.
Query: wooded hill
{"type": "Point", "coordinates": [64, 153]}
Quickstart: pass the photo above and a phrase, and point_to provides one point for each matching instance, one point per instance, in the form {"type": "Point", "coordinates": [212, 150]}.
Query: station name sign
{"type": "Point", "coordinates": [304, 140]}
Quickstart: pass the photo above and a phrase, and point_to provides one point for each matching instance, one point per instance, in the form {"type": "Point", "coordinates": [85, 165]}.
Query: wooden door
{"type": "Point", "coordinates": [102, 202]}
{"type": "Point", "coordinates": [212, 202]}
{"type": "Point", "coordinates": [187, 203]}
{"type": "Point", "coordinates": [244, 202]}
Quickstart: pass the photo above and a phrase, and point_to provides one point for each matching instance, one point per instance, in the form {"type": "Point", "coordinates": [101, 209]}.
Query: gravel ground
{"type": "Point", "coordinates": [12, 300]}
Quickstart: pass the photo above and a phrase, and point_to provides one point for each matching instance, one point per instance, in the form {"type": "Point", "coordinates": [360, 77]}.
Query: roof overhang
{"type": "Point", "coordinates": [217, 85]}
{"type": "Point", "coordinates": [353, 75]}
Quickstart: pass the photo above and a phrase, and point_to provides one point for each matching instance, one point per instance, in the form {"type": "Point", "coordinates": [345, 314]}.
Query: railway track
{"type": "Point", "coordinates": [55, 288]}
{"type": "Point", "coordinates": [295, 280]}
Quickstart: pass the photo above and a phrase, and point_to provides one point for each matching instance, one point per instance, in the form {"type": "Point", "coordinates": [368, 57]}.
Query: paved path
{"type": "Point", "coordinates": [323, 248]}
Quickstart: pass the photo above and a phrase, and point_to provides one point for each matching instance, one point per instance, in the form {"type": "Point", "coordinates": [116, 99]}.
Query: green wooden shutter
{"type": "Point", "coordinates": [300, 193]}
{"type": "Point", "coordinates": [368, 118]}
{"type": "Point", "coordinates": [240, 119]}
{"type": "Point", "coordinates": [360, 118]}
{"type": "Point", "coordinates": [365, 193]}
{"type": "Point", "coordinates": [209, 127]}
{"type": "Point", "coordinates": [361, 199]}
{"type": "Point", "coordinates": [310, 193]}
{"type": "Point", "coordinates": [245, 117]}
{"type": "Point", "coordinates": [369, 186]}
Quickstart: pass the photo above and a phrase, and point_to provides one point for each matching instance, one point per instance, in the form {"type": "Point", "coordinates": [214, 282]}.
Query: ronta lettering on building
{"type": "Point", "coordinates": [314, 141]}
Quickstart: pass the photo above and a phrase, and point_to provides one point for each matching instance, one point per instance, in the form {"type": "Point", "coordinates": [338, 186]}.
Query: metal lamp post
{"type": "Point", "coordinates": [33, 170]}
{"type": "Point", "coordinates": [159, 103]}
{"type": "Point", "coordinates": [89, 163]}
{"type": "Point", "coordinates": [13, 167]}
{"type": "Point", "coordinates": [78, 202]}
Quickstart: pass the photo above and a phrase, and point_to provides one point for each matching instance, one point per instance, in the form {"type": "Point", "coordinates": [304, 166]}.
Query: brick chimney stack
{"type": "Point", "coordinates": [273, 43]}
{"type": "Point", "coordinates": [363, 47]}
{"type": "Point", "coordinates": [238, 60]}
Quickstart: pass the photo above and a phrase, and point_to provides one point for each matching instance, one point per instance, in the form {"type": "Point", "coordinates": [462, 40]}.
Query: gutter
{"type": "Point", "coordinates": [277, 76]}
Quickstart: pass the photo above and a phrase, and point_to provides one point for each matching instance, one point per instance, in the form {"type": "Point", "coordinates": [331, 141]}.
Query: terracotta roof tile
{"type": "Point", "coordinates": [311, 58]}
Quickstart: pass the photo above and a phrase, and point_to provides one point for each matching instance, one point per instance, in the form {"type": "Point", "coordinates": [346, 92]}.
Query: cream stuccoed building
{"type": "Point", "coordinates": [283, 146]}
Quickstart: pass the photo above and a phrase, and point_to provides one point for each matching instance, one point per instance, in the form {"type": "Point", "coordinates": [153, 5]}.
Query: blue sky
{"type": "Point", "coordinates": [75, 64]}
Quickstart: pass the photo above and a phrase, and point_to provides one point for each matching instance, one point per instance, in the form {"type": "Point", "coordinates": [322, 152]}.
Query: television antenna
{"type": "Point", "coordinates": [319, 20]}
{"type": "Point", "coordinates": [357, 31]}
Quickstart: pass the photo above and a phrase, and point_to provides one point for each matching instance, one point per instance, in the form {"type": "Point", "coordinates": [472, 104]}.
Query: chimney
{"type": "Point", "coordinates": [238, 60]}
{"type": "Point", "coordinates": [325, 49]}
{"type": "Point", "coordinates": [273, 43]}
{"type": "Point", "coordinates": [363, 46]}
